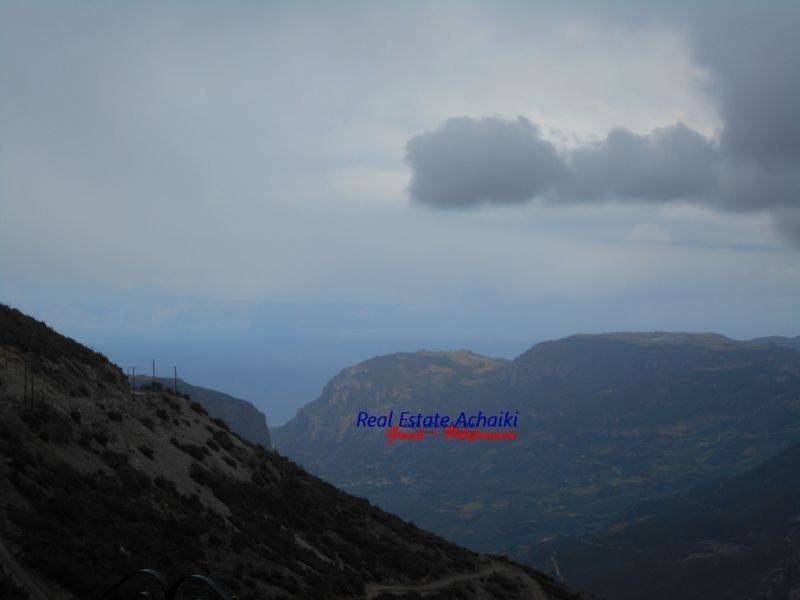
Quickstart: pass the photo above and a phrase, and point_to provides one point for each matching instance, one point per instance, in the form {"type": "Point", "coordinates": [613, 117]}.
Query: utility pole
{"type": "Point", "coordinates": [133, 380]}
{"type": "Point", "coordinates": [154, 370]}
{"type": "Point", "coordinates": [175, 382]}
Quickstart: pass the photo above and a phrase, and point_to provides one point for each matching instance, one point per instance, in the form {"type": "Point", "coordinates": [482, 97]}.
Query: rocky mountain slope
{"type": "Point", "coordinates": [96, 482]}
{"type": "Point", "coordinates": [605, 421]}
{"type": "Point", "coordinates": [241, 416]}
{"type": "Point", "coordinates": [734, 537]}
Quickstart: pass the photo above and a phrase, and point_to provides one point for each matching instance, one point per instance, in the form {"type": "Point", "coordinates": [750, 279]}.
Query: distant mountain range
{"type": "Point", "coordinates": [605, 421]}
{"type": "Point", "coordinates": [241, 416]}
{"type": "Point", "coordinates": [780, 340]}
{"type": "Point", "coordinates": [96, 482]}
{"type": "Point", "coordinates": [733, 537]}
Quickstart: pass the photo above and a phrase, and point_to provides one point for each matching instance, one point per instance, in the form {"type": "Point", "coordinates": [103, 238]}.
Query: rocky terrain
{"type": "Point", "coordinates": [97, 481]}
{"type": "Point", "coordinates": [241, 416]}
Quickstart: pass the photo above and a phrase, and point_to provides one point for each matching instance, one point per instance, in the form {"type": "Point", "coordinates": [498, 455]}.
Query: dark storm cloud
{"type": "Point", "coordinates": [749, 185]}
{"type": "Point", "coordinates": [668, 164]}
{"type": "Point", "coordinates": [752, 55]}
{"type": "Point", "coordinates": [468, 162]}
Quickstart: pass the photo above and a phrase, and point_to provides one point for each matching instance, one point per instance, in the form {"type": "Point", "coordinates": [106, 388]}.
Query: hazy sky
{"type": "Point", "coordinates": [533, 168]}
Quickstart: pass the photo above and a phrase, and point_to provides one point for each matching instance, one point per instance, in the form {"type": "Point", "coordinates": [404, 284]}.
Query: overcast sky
{"type": "Point", "coordinates": [606, 166]}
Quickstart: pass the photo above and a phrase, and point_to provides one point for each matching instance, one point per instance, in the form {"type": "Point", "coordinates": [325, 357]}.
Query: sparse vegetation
{"type": "Point", "coordinates": [221, 423]}
{"type": "Point", "coordinates": [172, 403]}
{"type": "Point", "coordinates": [35, 337]}
{"type": "Point", "coordinates": [196, 451]}
{"type": "Point", "coordinates": [223, 439]}
{"type": "Point", "coordinates": [100, 436]}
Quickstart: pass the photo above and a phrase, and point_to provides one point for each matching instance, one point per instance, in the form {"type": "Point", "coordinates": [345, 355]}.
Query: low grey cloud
{"type": "Point", "coordinates": [753, 166]}
{"type": "Point", "coordinates": [468, 162]}
{"type": "Point", "coordinates": [668, 164]}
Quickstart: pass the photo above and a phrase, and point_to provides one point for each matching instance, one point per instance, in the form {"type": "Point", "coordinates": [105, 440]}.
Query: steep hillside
{"type": "Point", "coordinates": [96, 482]}
{"type": "Point", "coordinates": [604, 421]}
{"type": "Point", "coordinates": [735, 537]}
{"type": "Point", "coordinates": [242, 417]}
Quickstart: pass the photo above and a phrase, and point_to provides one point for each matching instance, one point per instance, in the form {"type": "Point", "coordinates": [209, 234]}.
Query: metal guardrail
{"type": "Point", "coordinates": [151, 573]}
{"type": "Point", "coordinates": [167, 592]}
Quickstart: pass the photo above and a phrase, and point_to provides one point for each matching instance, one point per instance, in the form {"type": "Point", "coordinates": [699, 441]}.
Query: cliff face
{"type": "Point", "coordinates": [96, 482]}
{"type": "Point", "coordinates": [240, 415]}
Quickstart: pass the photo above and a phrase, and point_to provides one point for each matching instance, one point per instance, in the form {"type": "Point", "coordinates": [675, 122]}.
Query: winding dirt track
{"type": "Point", "coordinates": [373, 590]}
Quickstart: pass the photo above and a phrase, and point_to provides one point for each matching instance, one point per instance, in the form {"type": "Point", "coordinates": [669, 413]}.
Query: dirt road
{"type": "Point", "coordinates": [373, 590]}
